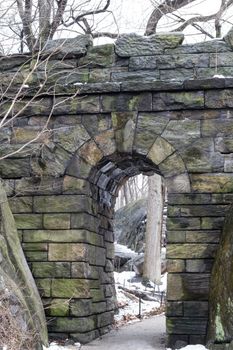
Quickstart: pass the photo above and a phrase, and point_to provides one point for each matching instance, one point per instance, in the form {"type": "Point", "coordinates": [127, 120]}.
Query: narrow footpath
{"type": "Point", "coordinates": [147, 334]}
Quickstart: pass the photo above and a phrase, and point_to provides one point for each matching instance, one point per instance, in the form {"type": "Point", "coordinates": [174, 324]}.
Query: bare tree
{"type": "Point", "coordinates": [170, 7]}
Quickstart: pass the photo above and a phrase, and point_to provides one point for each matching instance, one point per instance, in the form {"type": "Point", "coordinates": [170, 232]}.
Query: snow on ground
{"type": "Point", "coordinates": [129, 305]}
{"type": "Point", "coordinates": [55, 346]}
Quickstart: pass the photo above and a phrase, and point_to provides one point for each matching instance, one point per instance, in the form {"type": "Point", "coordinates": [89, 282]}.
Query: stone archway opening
{"type": "Point", "coordinates": [106, 179]}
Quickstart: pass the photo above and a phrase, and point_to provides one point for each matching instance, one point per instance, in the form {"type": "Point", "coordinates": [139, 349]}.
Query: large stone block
{"type": "Point", "coordinates": [174, 308]}
{"type": "Point", "coordinates": [67, 288]}
{"type": "Point", "coordinates": [50, 269]}
{"type": "Point", "coordinates": [126, 102]}
{"type": "Point", "coordinates": [212, 183]}
{"type": "Point", "coordinates": [133, 45]}
{"type": "Point", "coordinates": [83, 270]}
{"type": "Point", "coordinates": [59, 307]}
{"type": "Point", "coordinates": [142, 62]}
{"type": "Point", "coordinates": [204, 236]}
{"type": "Point", "coordinates": [67, 252]}
{"type": "Point", "coordinates": [84, 220]}
{"type": "Point", "coordinates": [135, 76]}
{"type": "Point", "coordinates": [98, 57]}
{"type": "Point", "coordinates": [197, 210]}
{"type": "Point", "coordinates": [149, 126]}
{"type": "Point", "coordinates": [36, 255]}
{"type": "Point", "coordinates": [124, 125]}
{"type": "Point", "coordinates": [183, 223]}
{"type": "Point", "coordinates": [185, 325]}
{"type": "Point", "coordinates": [81, 307]}
{"type": "Point", "coordinates": [75, 105]}
{"type": "Point", "coordinates": [172, 166]}
{"type": "Point", "coordinates": [70, 137]}
{"type": "Point", "coordinates": [35, 186]}
{"type": "Point", "coordinates": [178, 100]}
{"type": "Point", "coordinates": [28, 221]}
{"type": "Point", "coordinates": [175, 265]}
{"type": "Point", "coordinates": [175, 61]}
{"type": "Point", "coordinates": [71, 324]}
{"type": "Point", "coordinates": [191, 251]}
{"type": "Point", "coordinates": [15, 168]}
{"type": "Point", "coordinates": [189, 198]}
{"type": "Point", "coordinates": [62, 204]}
{"type": "Point", "coordinates": [199, 265]}
{"type": "Point", "coordinates": [219, 98]}
{"type": "Point", "coordinates": [56, 221]}
{"type": "Point", "coordinates": [160, 150]}
{"type": "Point", "coordinates": [188, 286]}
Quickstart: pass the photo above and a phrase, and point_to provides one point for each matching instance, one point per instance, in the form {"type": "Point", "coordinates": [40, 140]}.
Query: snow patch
{"type": "Point", "coordinates": [193, 347]}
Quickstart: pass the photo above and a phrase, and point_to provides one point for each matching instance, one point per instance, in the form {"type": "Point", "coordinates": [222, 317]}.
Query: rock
{"type": "Point", "coordinates": [68, 48]}
{"type": "Point", "coordinates": [221, 294]}
{"type": "Point", "coordinates": [122, 255]}
{"type": "Point", "coordinates": [133, 45]}
{"type": "Point", "coordinates": [129, 225]}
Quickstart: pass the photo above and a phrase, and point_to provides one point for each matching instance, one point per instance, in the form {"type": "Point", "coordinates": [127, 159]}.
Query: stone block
{"type": "Point", "coordinates": [106, 142]}
{"type": "Point", "coordinates": [174, 308]}
{"type": "Point", "coordinates": [14, 168]}
{"type": "Point", "coordinates": [80, 307]}
{"type": "Point", "coordinates": [36, 256]}
{"type": "Point", "coordinates": [67, 252]}
{"type": "Point", "coordinates": [32, 186]}
{"type": "Point", "coordinates": [70, 288]}
{"type": "Point", "coordinates": [149, 126]}
{"type": "Point", "coordinates": [199, 265]}
{"type": "Point", "coordinates": [220, 59]}
{"type": "Point", "coordinates": [160, 150]}
{"type": "Point", "coordinates": [28, 221]}
{"type": "Point", "coordinates": [83, 270]}
{"type": "Point", "coordinates": [197, 339]}
{"type": "Point", "coordinates": [100, 75]}
{"type": "Point", "coordinates": [138, 75]}
{"type": "Point", "coordinates": [177, 341]}
{"type": "Point", "coordinates": [61, 236]}
{"type": "Point", "coordinates": [175, 61]}
{"type": "Point", "coordinates": [224, 144]}
{"type": "Point", "coordinates": [189, 198]}
{"type": "Point", "coordinates": [101, 56]}
{"type": "Point", "coordinates": [84, 220]}
{"type": "Point", "coordinates": [191, 251]}
{"type": "Point", "coordinates": [56, 221]}
{"type": "Point", "coordinates": [219, 98]}
{"type": "Point", "coordinates": [97, 255]}
{"type": "Point", "coordinates": [183, 223]}
{"type": "Point", "coordinates": [35, 246]}
{"type": "Point", "coordinates": [91, 153]}
{"type": "Point", "coordinates": [198, 210]}
{"type": "Point", "coordinates": [84, 338]}
{"type": "Point", "coordinates": [176, 236]}
{"type": "Point", "coordinates": [59, 307]}
{"type": "Point", "coordinates": [175, 265]}
{"type": "Point", "coordinates": [78, 167]}
{"type": "Point", "coordinates": [228, 163]}
{"type": "Point", "coordinates": [44, 286]}
{"type": "Point", "coordinates": [221, 127]}
{"type": "Point", "coordinates": [185, 325]}
{"type": "Point", "coordinates": [126, 102]}
{"type": "Point", "coordinates": [178, 183]}
{"type": "Point", "coordinates": [205, 236]}
{"type": "Point", "coordinates": [105, 319]}
{"type": "Point", "coordinates": [68, 48]}
{"type": "Point", "coordinates": [196, 309]}
{"type": "Point", "coordinates": [178, 74]}
{"type": "Point", "coordinates": [133, 44]}
{"type": "Point", "coordinates": [70, 137]}
{"type": "Point", "coordinates": [178, 100]}
{"type": "Point", "coordinates": [62, 204]}
{"type": "Point", "coordinates": [124, 125]}
{"type": "Point", "coordinates": [76, 105]}
{"type": "Point", "coordinates": [212, 183]}
{"type": "Point", "coordinates": [212, 223]}
{"type": "Point", "coordinates": [188, 286]}
{"type": "Point", "coordinates": [99, 308]}
{"type": "Point", "coordinates": [142, 62]}
{"type": "Point", "coordinates": [189, 129]}
{"type": "Point", "coordinates": [50, 269]}
{"type": "Point", "coordinates": [97, 295]}
{"type": "Point", "coordinates": [212, 46]}
{"type": "Point", "coordinates": [71, 324]}
{"type": "Point", "coordinates": [172, 166]}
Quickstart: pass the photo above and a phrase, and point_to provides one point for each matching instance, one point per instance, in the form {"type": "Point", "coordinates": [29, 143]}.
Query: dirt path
{"type": "Point", "coordinates": [145, 335]}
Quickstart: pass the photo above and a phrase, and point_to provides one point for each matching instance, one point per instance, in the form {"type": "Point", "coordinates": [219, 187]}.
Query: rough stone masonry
{"type": "Point", "coordinates": [143, 105]}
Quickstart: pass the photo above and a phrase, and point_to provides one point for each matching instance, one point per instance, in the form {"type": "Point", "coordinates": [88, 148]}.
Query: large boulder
{"type": "Point", "coordinates": [129, 225]}
{"type": "Point", "coordinates": [221, 288]}
{"type": "Point", "coordinates": [17, 286]}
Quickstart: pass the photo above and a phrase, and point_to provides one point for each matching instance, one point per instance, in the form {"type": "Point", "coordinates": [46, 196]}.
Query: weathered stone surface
{"type": "Point", "coordinates": [79, 104]}
{"type": "Point", "coordinates": [50, 269]}
{"type": "Point", "coordinates": [56, 221]}
{"type": "Point", "coordinates": [133, 44]}
{"type": "Point", "coordinates": [202, 236]}
{"type": "Point", "coordinates": [212, 223]}
{"type": "Point", "coordinates": [178, 184]}
{"type": "Point", "coordinates": [188, 286]}
{"type": "Point", "coordinates": [28, 221]}
{"type": "Point", "coordinates": [72, 324]}
{"type": "Point", "coordinates": [174, 308]}
{"type": "Point", "coordinates": [189, 129]}
{"type": "Point", "coordinates": [36, 256]}
{"type": "Point", "coordinates": [173, 165]}
{"type": "Point", "coordinates": [197, 210]}
{"type": "Point", "coordinates": [83, 220]}
{"type": "Point", "coordinates": [62, 204]}
{"type": "Point", "coordinates": [78, 167]}
{"type": "Point", "coordinates": [182, 61]}
{"type": "Point", "coordinates": [70, 288]}
{"type": "Point", "coordinates": [135, 76]}
{"type": "Point", "coordinates": [80, 308]}
{"type": "Point", "coordinates": [184, 325]}
{"type": "Point", "coordinates": [21, 204]}
{"type": "Point", "coordinates": [183, 223]}
{"type": "Point", "coordinates": [177, 100]}
{"type": "Point", "coordinates": [14, 168]}
{"type": "Point", "coordinates": [212, 183]}
{"type": "Point", "coordinates": [199, 265]}
{"type": "Point", "coordinates": [71, 137]}
{"type": "Point", "coordinates": [124, 125]}
{"type": "Point", "coordinates": [126, 102]}
{"type": "Point", "coordinates": [219, 98]}
{"type": "Point", "coordinates": [37, 186]}
{"type": "Point", "coordinates": [68, 48]}
{"type": "Point", "coordinates": [59, 307]}
{"type": "Point", "coordinates": [175, 265]}
{"type": "Point", "coordinates": [83, 270]}
{"type": "Point", "coordinates": [188, 251]}
{"type": "Point", "coordinates": [67, 252]}
{"type": "Point", "coordinates": [228, 38]}
{"type": "Point", "coordinates": [98, 57]}
{"type": "Point", "coordinates": [189, 198]}
{"type": "Point", "coordinates": [214, 46]}
{"type": "Point", "coordinates": [90, 152]}
{"type": "Point", "coordinates": [221, 298]}
{"type": "Point", "coordinates": [160, 150]}
{"type": "Point", "coordinates": [142, 62]}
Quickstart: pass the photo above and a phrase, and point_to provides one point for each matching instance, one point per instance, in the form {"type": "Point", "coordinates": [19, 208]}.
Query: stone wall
{"type": "Point", "coordinates": [134, 114]}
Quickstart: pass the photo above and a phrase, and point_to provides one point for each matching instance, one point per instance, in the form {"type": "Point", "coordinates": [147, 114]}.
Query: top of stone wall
{"type": "Point", "coordinates": [131, 61]}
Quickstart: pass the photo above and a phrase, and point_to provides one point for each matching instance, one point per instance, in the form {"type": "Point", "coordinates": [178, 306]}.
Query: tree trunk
{"type": "Point", "coordinates": [152, 259]}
